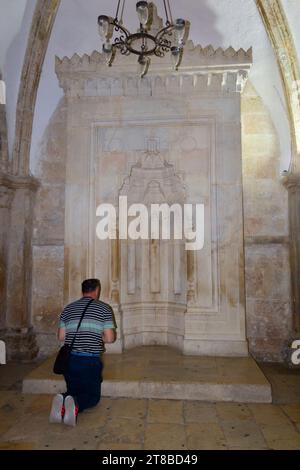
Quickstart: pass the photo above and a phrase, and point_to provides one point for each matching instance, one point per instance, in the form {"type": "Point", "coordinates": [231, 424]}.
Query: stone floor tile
{"type": "Point", "coordinates": [205, 436]}
{"type": "Point", "coordinates": [244, 447]}
{"type": "Point", "coordinates": [39, 404]}
{"type": "Point", "coordinates": [96, 417]}
{"type": "Point", "coordinates": [233, 411]}
{"type": "Point", "coordinates": [199, 412]}
{"type": "Point", "coordinates": [123, 430]}
{"type": "Point", "coordinates": [12, 408]}
{"type": "Point", "coordinates": [128, 408]}
{"type": "Point", "coordinates": [79, 441]}
{"type": "Point", "coordinates": [17, 446]}
{"type": "Point", "coordinates": [274, 434]}
{"type": "Point", "coordinates": [15, 400]}
{"type": "Point", "coordinates": [165, 411]}
{"type": "Point", "coordinates": [284, 444]}
{"type": "Point", "coordinates": [268, 414]}
{"type": "Point", "coordinates": [293, 412]}
{"type": "Point", "coordinates": [243, 434]}
{"type": "Point", "coordinates": [165, 436]}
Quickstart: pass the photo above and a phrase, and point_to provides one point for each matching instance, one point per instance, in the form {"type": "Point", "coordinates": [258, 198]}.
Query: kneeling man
{"type": "Point", "coordinates": [84, 374]}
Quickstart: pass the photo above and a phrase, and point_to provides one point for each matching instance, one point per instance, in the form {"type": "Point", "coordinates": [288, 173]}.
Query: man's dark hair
{"type": "Point", "coordinates": [90, 285]}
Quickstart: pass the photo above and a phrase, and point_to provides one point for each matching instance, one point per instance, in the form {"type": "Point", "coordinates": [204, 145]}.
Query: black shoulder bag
{"type": "Point", "coordinates": [62, 359]}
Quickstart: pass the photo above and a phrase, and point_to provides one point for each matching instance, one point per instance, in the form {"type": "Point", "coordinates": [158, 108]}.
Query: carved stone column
{"type": "Point", "coordinates": [117, 347]}
{"type": "Point", "coordinates": [292, 183]}
{"type": "Point", "coordinates": [18, 195]}
{"type": "Point", "coordinates": [191, 269]}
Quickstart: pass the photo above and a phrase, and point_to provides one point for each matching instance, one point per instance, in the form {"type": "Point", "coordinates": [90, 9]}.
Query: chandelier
{"type": "Point", "coordinates": [144, 43]}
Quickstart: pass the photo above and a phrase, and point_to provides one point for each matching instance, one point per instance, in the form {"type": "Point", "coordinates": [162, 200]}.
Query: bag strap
{"type": "Point", "coordinates": [83, 313]}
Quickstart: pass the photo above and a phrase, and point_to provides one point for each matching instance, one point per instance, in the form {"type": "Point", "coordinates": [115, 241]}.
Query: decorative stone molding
{"type": "Point", "coordinates": [291, 181]}
{"type": "Point", "coordinates": [202, 69]}
{"type": "Point", "coordinates": [42, 23]}
{"type": "Point", "coordinates": [267, 240]}
{"type": "Point", "coordinates": [18, 182]}
{"type": "Point", "coordinates": [274, 18]}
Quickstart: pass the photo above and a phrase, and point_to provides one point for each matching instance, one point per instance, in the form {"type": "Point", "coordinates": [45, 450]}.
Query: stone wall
{"type": "Point", "coordinates": [269, 318]}
{"type": "Point", "coordinates": [48, 233]}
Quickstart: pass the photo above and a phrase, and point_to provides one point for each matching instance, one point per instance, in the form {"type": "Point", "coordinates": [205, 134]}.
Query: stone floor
{"type": "Point", "coordinates": [151, 424]}
{"type": "Point", "coordinates": [127, 424]}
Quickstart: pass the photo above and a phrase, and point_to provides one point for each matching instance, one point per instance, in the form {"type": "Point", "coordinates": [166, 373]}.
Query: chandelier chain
{"type": "Point", "coordinates": [167, 14]}
{"type": "Point", "coordinates": [117, 12]}
{"type": "Point", "coordinates": [170, 11]}
{"type": "Point", "coordinates": [122, 12]}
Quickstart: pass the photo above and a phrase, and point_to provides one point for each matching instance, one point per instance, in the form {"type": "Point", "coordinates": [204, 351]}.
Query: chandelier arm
{"type": "Point", "coordinates": [164, 31]}
{"type": "Point", "coordinates": [165, 47]}
{"type": "Point", "coordinates": [121, 45]}
{"type": "Point", "coordinates": [118, 27]}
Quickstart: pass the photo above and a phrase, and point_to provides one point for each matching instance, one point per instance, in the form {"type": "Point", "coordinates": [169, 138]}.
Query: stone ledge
{"type": "Point", "coordinates": [163, 373]}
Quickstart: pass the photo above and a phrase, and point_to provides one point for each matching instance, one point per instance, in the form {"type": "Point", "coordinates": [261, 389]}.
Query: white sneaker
{"type": "Point", "coordinates": [71, 411]}
{"type": "Point", "coordinates": [56, 413]}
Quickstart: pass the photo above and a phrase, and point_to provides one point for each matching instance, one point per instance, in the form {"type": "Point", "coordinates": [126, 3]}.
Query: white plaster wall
{"type": "Point", "coordinates": [12, 12]}
{"type": "Point", "coordinates": [15, 23]}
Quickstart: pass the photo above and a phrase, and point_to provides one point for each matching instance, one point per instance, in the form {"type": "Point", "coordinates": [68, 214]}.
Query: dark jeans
{"type": "Point", "coordinates": [83, 380]}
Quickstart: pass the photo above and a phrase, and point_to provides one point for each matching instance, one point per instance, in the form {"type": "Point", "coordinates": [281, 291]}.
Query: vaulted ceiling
{"type": "Point", "coordinates": [32, 32]}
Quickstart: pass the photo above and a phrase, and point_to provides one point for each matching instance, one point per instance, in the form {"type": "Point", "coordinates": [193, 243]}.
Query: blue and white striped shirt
{"type": "Point", "coordinates": [98, 317]}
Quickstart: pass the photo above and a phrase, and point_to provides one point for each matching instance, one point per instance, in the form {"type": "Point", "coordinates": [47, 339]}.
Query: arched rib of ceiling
{"type": "Point", "coordinates": [42, 23]}
{"type": "Point", "coordinates": [277, 27]}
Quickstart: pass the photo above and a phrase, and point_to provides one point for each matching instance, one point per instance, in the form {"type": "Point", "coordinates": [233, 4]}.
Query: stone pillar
{"type": "Point", "coordinates": [6, 195]}
{"type": "Point", "coordinates": [292, 183]}
{"type": "Point", "coordinates": [17, 331]}
{"type": "Point", "coordinates": [3, 138]}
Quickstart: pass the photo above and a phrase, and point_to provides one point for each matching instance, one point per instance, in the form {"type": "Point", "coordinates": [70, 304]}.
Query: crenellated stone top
{"type": "Point", "coordinates": [201, 69]}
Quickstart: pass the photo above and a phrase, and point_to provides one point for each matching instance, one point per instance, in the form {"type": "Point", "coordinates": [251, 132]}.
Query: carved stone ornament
{"type": "Point", "coordinates": [202, 69]}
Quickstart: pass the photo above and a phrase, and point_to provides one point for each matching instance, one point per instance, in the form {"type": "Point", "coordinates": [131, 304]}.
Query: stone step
{"type": "Point", "coordinates": [164, 373]}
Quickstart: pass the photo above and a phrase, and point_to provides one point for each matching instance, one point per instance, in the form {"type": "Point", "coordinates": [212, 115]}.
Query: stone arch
{"type": "Point", "coordinates": [42, 23]}
{"type": "Point", "coordinates": [277, 27]}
